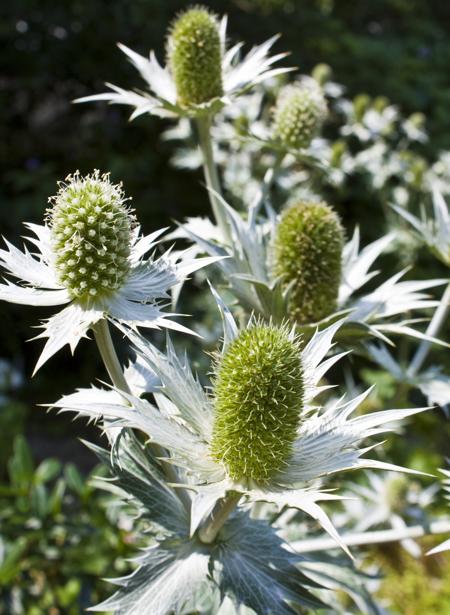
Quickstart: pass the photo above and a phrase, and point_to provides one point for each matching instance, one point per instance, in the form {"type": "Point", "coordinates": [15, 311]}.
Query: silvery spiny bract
{"type": "Point", "coordinates": [249, 272]}
{"type": "Point", "coordinates": [432, 382]}
{"type": "Point", "coordinates": [202, 76]}
{"type": "Point", "coordinates": [299, 113]}
{"type": "Point", "coordinates": [91, 256]}
{"type": "Point", "coordinates": [387, 500]}
{"type": "Point", "coordinates": [307, 257]}
{"type": "Point", "coordinates": [434, 231]}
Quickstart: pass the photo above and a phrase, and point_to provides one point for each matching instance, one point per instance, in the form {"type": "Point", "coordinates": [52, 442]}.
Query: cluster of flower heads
{"type": "Point", "coordinates": [259, 433]}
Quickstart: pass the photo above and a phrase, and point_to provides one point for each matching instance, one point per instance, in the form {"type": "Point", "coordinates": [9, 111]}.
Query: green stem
{"type": "Point", "coordinates": [432, 330]}
{"type": "Point", "coordinates": [267, 183]}
{"type": "Point", "coordinates": [108, 353]}
{"type": "Point", "coordinates": [214, 523]}
{"type": "Point", "coordinates": [211, 173]}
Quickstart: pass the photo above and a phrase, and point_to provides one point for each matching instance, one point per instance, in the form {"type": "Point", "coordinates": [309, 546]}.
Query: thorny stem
{"type": "Point", "coordinates": [214, 523]}
{"type": "Point", "coordinates": [211, 173]}
{"type": "Point", "coordinates": [371, 538]}
{"type": "Point", "coordinates": [108, 353]}
{"type": "Point", "coordinates": [432, 330]}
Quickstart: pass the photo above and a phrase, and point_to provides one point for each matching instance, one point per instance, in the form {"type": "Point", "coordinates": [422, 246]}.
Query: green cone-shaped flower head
{"type": "Point", "coordinates": [195, 57]}
{"type": "Point", "coordinates": [307, 256]}
{"type": "Point", "coordinates": [91, 235]}
{"type": "Point", "coordinates": [258, 396]}
{"type": "Point", "coordinates": [299, 113]}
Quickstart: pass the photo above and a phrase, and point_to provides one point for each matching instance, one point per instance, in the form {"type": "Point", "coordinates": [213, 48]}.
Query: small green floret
{"type": "Point", "coordinates": [258, 397]}
{"type": "Point", "coordinates": [195, 57]}
{"type": "Point", "coordinates": [299, 113]}
{"type": "Point", "coordinates": [307, 257]}
{"type": "Point", "coordinates": [91, 235]}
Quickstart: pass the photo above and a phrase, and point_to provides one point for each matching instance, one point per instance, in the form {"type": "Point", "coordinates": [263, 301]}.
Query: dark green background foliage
{"type": "Point", "coordinates": [53, 52]}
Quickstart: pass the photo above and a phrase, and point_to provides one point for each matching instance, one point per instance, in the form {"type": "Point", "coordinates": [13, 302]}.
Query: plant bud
{"type": "Point", "coordinates": [90, 235]}
{"type": "Point", "coordinates": [299, 113]}
{"type": "Point", "coordinates": [321, 73]}
{"type": "Point", "coordinates": [258, 396]}
{"type": "Point", "coordinates": [307, 256]}
{"type": "Point", "coordinates": [195, 57]}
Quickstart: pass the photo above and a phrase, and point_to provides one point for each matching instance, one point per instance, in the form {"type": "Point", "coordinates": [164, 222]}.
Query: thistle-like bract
{"type": "Point", "coordinates": [258, 398]}
{"type": "Point", "coordinates": [91, 235]}
{"type": "Point", "coordinates": [195, 57]}
{"type": "Point", "coordinates": [307, 256]}
{"type": "Point", "coordinates": [299, 113]}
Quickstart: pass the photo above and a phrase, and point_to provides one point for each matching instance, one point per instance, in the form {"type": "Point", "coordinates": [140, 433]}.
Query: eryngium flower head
{"type": "Point", "coordinates": [195, 57]}
{"type": "Point", "coordinates": [307, 256]}
{"type": "Point", "coordinates": [92, 258]}
{"type": "Point", "coordinates": [258, 398]}
{"type": "Point", "coordinates": [265, 401]}
{"type": "Point", "coordinates": [299, 113]}
{"type": "Point", "coordinates": [91, 235]}
{"type": "Point", "coordinates": [201, 75]}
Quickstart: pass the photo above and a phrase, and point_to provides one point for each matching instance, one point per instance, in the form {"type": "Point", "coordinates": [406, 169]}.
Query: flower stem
{"type": "Point", "coordinates": [214, 523]}
{"type": "Point", "coordinates": [371, 538]}
{"type": "Point", "coordinates": [432, 330]}
{"type": "Point", "coordinates": [269, 177]}
{"type": "Point", "coordinates": [108, 353]}
{"type": "Point", "coordinates": [211, 173]}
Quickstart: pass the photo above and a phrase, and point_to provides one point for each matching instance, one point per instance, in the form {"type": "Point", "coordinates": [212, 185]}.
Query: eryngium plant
{"type": "Point", "coordinates": [262, 411]}
{"type": "Point", "coordinates": [201, 76]}
{"type": "Point", "coordinates": [194, 52]}
{"type": "Point", "coordinates": [307, 257]}
{"type": "Point", "coordinates": [215, 468]}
